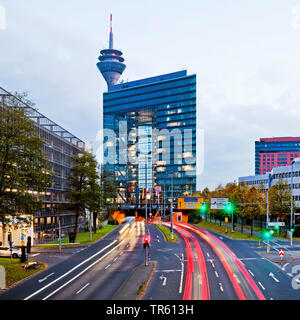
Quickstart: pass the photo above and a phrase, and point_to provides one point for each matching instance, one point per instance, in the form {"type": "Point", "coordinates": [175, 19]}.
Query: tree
{"type": "Point", "coordinates": [95, 200]}
{"type": "Point", "coordinates": [83, 177]}
{"type": "Point", "coordinates": [253, 196]}
{"type": "Point", "coordinates": [237, 198]}
{"type": "Point", "coordinates": [280, 199]}
{"type": "Point", "coordinates": [109, 190]}
{"type": "Point", "coordinates": [24, 171]}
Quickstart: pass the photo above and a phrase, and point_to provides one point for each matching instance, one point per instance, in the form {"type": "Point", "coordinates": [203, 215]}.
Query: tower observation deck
{"type": "Point", "coordinates": [110, 62]}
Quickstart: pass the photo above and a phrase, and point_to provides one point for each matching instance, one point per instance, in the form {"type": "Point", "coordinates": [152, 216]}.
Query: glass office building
{"type": "Point", "coordinates": [150, 135]}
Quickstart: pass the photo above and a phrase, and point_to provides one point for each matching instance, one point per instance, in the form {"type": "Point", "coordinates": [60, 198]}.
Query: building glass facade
{"type": "Point", "coordinates": [154, 122]}
{"type": "Point", "coordinates": [275, 152]}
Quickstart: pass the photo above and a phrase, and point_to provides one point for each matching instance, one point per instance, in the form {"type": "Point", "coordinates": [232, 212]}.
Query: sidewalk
{"type": "Point", "coordinates": [64, 250]}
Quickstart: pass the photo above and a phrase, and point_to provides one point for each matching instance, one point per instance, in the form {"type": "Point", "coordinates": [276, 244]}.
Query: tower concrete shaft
{"type": "Point", "coordinates": [110, 62]}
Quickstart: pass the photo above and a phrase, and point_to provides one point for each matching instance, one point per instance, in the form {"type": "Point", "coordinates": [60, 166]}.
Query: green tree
{"type": "Point", "coordinates": [24, 171]}
{"type": "Point", "coordinates": [95, 199]}
{"type": "Point", "coordinates": [109, 191]}
{"type": "Point", "coordinates": [83, 177]}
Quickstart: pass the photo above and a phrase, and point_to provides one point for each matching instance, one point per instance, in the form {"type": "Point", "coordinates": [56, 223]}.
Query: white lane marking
{"type": "Point", "coordinates": [121, 253]}
{"type": "Point", "coordinates": [216, 273]}
{"type": "Point", "coordinates": [182, 272]}
{"type": "Point", "coordinates": [221, 238]}
{"type": "Point", "coordinates": [200, 280]}
{"type": "Point", "coordinates": [289, 274]}
{"type": "Point", "coordinates": [272, 276]}
{"type": "Point", "coordinates": [83, 288]}
{"type": "Point", "coordinates": [115, 259]}
{"type": "Point", "coordinates": [49, 275]}
{"type": "Point", "coordinates": [83, 271]}
{"type": "Point", "coordinates": [221, 287]}
{"type": "Point", "coordinates": [261, 286]}
{"type": "Point", "coordinates": [251, 272]}
{"type": "Point", "coordinates": [107, 266]}
{"type": "Point", "coordinates": [237, 278]}
{"type": "Point", "coordinates": [36, 254]}
{"type": "Point", "coordinates": [207, 254]}
{"type": "Point", "coordinates": [212, 263]}
{"type": "Point", "coordinates": [283, 268]}
{"type": "Point", "coordinates": [167, 271]}
{"type": "Point", "coordinates": [49, 284]}
{"type": "Point", "coordinates": [164, 279]}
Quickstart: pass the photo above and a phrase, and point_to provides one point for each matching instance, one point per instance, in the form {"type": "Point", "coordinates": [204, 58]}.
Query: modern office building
{"type": "Point", "coordinates": [266, 180]}
{"type": "Point", "coordinates": [275, 152]}
{"type": "Point", "coordinates": [151, 127]}
{"type": "Point", "coordinates": [60, 145]}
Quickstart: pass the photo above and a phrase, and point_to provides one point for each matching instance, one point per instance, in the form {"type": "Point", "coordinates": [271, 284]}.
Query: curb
{"type": "Point", "coordinates": [134, 288]}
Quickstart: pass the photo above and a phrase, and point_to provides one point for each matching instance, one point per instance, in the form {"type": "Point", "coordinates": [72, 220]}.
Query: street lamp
{"type": "Point", "coordinates": [292, 206]}
{"type": "Point", "coordinates": [171, 213]}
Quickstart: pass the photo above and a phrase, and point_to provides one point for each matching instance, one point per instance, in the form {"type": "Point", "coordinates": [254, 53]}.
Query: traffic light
{"type": "Point", "coordinates": [146, 241]}
{"type": "Point", "coordinates": [203, 208]}
{"type": "Point", "coordinates": [228, 207]}
{"type": "Point", "coordinates": [292, 229]}
{"type": "Point", "coordinates": [267, 234]}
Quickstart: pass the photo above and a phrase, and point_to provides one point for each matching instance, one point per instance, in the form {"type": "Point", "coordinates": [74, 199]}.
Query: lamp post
{"type": "Point", "coordinates": [171, 213]}
{"type": "Point", "coordinates": [146, 179]}
{"type": "Point", "coordinates": [292, 206]}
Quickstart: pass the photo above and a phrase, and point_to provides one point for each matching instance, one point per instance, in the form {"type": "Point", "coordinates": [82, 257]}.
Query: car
{"type": "Point", "coordinates": [5, 252]}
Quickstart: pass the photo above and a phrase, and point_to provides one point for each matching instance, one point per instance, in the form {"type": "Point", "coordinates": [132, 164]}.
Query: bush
{"type": "Point", "coordinates": [112, 221]}
{"type": "Point", "coordinates": [297, 231]}
{"type": "Point", "coordinates": [194, 218]}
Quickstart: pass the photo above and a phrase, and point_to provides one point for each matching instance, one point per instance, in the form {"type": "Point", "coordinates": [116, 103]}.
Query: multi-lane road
{"type": "Point", "coordinates": [200, 266]}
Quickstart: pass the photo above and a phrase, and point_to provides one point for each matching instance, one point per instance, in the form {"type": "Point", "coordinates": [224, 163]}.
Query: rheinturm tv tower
{"type": "Point", "coordinates": [110, 62]}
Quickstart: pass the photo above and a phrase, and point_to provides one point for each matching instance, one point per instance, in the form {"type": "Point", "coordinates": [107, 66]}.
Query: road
{"type": "Point", "coordinates": [200, 266]}
{"type": "Point", "coordinates": [104, 264]}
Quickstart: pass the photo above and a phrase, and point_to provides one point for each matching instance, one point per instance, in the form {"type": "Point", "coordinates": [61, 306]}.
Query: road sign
{"type": "Point", "coordinates": [273, 224]}
{"type": "Point", "coordinates": [22, 238]}
{"type": "Point", "coordinates": [218, 203]}
{"type": "Point", "coordinates": [281, 253]}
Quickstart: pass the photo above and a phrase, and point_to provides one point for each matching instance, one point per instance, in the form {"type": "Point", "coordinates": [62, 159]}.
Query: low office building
{"type": "Point", "coordinates": [264, 181]}
{"type": "Point", "coordinates": [275, 152]}
{"type": "Point", "coordinates": [59, 148]}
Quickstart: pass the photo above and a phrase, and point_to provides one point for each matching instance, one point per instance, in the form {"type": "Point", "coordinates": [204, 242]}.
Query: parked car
{"type": "Point", "coordinates": [5, 252]}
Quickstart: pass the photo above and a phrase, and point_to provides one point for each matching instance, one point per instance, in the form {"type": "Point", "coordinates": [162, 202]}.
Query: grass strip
{"type": "Point", "coordinates": [15, 272]}
{"type": "Point", "coordinates": [81, 239]}
{"type": "Point", "coordinates": [167, 233]}
{"type": "Point", "coordinates": [226, 231]}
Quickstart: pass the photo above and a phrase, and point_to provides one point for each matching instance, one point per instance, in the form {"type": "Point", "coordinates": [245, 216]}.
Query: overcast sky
{"type": "Point", "coordinates": [246, 55]}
